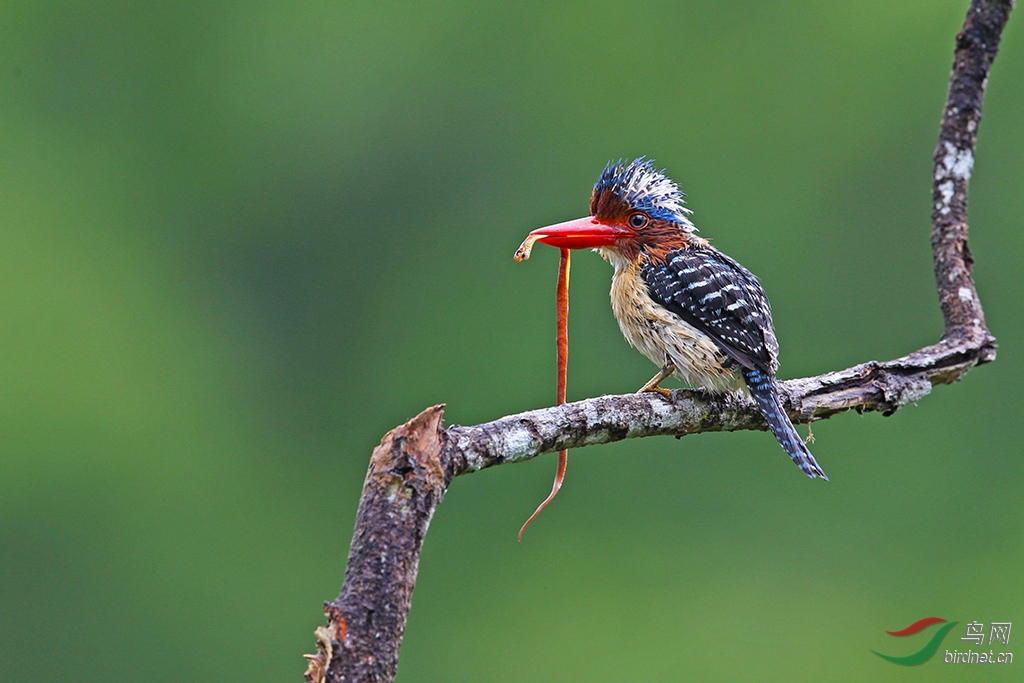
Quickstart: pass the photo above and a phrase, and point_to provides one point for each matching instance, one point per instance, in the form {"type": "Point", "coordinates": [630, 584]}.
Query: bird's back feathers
{"type": "Point", "coordinates": [719, 297]}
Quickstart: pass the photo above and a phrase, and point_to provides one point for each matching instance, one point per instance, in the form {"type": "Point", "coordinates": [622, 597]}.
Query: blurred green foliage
{"type": "Point", "coordinates": [240, 241]}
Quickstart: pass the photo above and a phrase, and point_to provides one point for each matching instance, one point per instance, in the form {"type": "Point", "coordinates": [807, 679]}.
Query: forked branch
{"type": "Point", "coordinates": [411, 469]}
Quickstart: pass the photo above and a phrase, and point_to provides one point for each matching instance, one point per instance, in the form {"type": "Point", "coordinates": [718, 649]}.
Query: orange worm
{"type": "Point", "coordinates": [562, 342]}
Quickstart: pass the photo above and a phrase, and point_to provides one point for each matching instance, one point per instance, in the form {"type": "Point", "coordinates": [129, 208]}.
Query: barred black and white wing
{"type": "Point", "coordinates": [722, 299]}
{"type": "Point", "coordinates": [719, 297]}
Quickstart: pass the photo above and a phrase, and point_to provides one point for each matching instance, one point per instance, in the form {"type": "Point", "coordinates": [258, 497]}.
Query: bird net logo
{"type": "Point", "coordinates": [975, 651]}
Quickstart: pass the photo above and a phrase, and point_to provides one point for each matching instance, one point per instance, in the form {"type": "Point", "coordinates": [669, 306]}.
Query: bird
{"type": "Point", "coordinates": [695, 312]}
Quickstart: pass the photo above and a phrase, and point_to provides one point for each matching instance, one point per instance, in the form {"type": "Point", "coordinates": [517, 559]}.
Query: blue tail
{"type": "Point", "coordinates": [766, 393]}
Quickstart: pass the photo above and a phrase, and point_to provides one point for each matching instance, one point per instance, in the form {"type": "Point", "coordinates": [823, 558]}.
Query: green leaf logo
{"type": "Point", "coordinates": [926, 652]}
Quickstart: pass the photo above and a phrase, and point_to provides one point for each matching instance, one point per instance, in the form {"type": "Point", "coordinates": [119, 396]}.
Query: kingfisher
{"type": "Point", "coordinates": [693, 311]}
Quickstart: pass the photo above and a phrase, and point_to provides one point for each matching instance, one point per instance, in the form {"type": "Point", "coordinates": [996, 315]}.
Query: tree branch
{"type": "Point", "coordinates": [411, 469]}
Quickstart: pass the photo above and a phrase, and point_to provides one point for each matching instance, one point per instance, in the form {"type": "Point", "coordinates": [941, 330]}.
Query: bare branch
{"type": "Point", "coordinates": [872, 386]}
{"type": "Point", "coordinates": [976, 48]}
{"type": "Point", "coordinates": [414, 464]}
{"type": "Point", "coordinates": [404, 485]}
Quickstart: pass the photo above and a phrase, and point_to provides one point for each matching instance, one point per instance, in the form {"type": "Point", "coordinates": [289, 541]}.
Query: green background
{"type": "Point", "coordinates": [239, 241]}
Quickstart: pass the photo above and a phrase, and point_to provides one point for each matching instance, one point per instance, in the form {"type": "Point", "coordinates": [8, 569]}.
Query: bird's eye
{"type": "Point", "coordinates": [638, 220]}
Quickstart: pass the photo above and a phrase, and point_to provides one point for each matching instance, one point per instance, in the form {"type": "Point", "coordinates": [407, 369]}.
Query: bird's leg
{"type": "Point", "coordinates": [666, 371]}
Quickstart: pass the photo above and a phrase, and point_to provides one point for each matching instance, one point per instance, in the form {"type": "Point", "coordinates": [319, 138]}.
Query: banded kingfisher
{"type": "Point", "coordinates": [693, 311]}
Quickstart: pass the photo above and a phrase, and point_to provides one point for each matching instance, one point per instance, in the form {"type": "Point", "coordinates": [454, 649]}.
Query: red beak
{"type": "Point", "coordinates": [582, 233]}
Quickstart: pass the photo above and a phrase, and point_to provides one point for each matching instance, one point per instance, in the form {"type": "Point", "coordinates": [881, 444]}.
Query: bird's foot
{"type": "Point", "coordinates": [666, 371]}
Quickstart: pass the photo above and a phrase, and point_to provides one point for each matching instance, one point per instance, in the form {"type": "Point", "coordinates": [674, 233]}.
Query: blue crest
{"type": "Point", "coordinates": [640, 185]}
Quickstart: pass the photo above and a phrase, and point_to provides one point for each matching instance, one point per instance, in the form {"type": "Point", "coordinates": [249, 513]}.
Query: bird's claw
{"type": "Point", "coordinates": [652, 385]}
